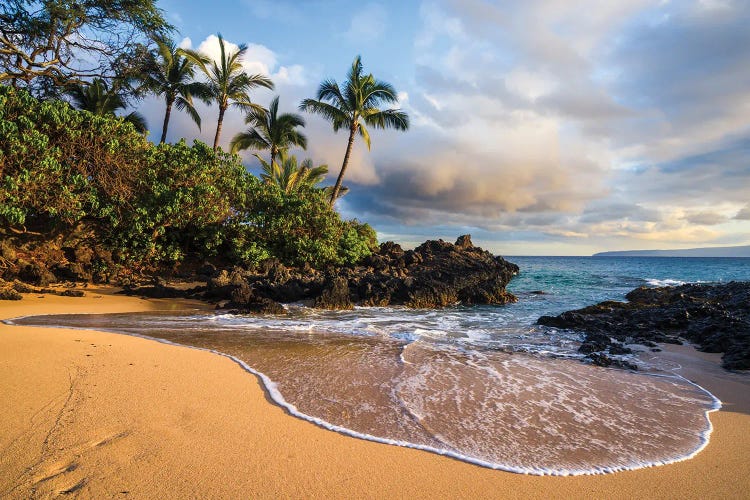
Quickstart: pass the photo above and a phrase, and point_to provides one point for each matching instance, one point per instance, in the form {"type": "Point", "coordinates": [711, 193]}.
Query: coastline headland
{"type": "Point", "coordinates": [435, 274]}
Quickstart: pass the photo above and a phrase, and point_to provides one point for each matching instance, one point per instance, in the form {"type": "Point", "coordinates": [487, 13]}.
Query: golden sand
{"type": "Point", "coordinates": [104, 415]}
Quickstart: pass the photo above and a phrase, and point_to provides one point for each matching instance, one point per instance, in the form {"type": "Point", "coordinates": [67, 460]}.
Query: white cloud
{"type": "Point", "coordinates": [529, 84]}
{"type": "Point", "coordinates": [258, 59]}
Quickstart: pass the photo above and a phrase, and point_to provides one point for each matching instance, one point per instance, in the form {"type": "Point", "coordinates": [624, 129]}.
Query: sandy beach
{"type": "Point", "coordinates": [103, 415]}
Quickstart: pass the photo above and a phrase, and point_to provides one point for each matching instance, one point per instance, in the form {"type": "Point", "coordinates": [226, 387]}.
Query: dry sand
{"type": "Point", "coordinates": [102, 415]}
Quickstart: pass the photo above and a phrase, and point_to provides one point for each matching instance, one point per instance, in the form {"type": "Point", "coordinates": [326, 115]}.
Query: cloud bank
{"type": "Point", "coordinates": [563, 126]}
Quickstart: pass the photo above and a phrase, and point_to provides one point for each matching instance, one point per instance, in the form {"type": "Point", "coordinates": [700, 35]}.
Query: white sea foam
{"type": "Point", "coordinates": [272, 389]}
{"type": "Point", "coordinates": [670, 282]}
{"type": "Point", "coordinates": [664, 282]}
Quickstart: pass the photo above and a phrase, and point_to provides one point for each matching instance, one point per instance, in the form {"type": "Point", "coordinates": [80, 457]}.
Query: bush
{"type": "Point", "coordinates": [185, 197]}
{"type": "Point", "coordinates": [301, 227]}
{"type": "Point", "coordinates": [75, 179]}
{"type": "Point", "coordinates": [59, 165]}
{"type": "Point", "coordinates": [357, 242]}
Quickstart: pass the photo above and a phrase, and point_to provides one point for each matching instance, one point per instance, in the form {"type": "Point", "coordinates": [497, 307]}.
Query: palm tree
{"type": "Point", "coordinates": [289, 176]}
{"type": "Point", "coordinates": [171, 75]}
{"type": "Point", "coordinates": [270, 131]}
{"type": "Point", "coordinates": [100, 100]}
{"type": "Point", "coordinates": [228, 83]}
{"type": "Point", "coordinates": [355, 107]}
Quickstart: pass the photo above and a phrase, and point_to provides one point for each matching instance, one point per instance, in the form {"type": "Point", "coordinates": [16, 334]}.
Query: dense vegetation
{"type": "Point", "coordinates": [75, 183]}
{"type": "Point", "coordinates": [84, 194]}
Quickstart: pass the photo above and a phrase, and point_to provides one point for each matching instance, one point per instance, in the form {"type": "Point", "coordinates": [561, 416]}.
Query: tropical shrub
{"type": "Point", "coordinates": [59, 165]}
{"type": "Point", "coordinates": [186, 195]}
{"type": "Point", "coordinates": [300, 227]}
{"type": "Point", "coordinates": [82, 185]}
{"type": "Point", "coordinates": [358, 240]}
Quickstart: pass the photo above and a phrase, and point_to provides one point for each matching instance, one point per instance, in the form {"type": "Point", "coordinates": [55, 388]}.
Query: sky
{"type": "Point", "coordinates": [557, 127]}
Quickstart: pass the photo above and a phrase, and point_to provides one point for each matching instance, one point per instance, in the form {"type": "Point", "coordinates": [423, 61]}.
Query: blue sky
{"type": "Point", "coordinates": [562, 127]}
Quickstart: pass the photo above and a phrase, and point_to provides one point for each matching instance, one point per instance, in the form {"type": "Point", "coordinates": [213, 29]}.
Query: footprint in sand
{"type": "Point", "coordinates": [72, 489]}
{"type": "Point", "coordinates": [108, 439]}
{"type": "Point", "coordinates": [55, 470]}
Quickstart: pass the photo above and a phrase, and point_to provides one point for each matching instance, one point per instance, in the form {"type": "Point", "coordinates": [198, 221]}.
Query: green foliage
{"type": "Point", "coordinates": [49, 45]}
{"type": "Point", "coordinates": [59, 165]}
{"type": "Point", "coordinates": [150, 205]}
{"type": "Point", "coordinates": [300, 227]}
{"type": "Point", "coordinates": [357, 105]}
{"type": "Point", "coordinates": [227, 81]}
{"type": "Point", "coordinates": [185, 198]}
{"type": "Point", "coordinates": [291, 176]}
{"type": "Point", "coordinates": [270, 130]}
{"type": "Point", "coordinates": [357, 241]}
{"type": "Point", "coordinates": [97, 98]}
{"type": "Point", "coordinates": [170, 73]}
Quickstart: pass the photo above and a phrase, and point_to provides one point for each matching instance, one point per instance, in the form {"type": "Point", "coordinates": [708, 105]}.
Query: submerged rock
{"type": "Point", "coordinates": [716, 317]}
{"type": "Point", "coordinates": [600, 359]}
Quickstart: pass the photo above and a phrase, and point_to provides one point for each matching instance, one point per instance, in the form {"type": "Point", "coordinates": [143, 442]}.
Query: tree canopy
{"type": "Point", "coordinates": [228, 83]}
{"type": "Point", "coordinates": [357, 105]}
{"type": "Point", "coordinates": [65, 174]}
{"type": "Point", "coordinates": [271, 131]}
{"type": "Point", "coordinates": [47, 45]}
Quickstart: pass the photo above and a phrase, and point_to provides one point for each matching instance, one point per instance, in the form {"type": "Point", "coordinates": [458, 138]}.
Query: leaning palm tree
{"type": "Point", "coordinates": [290, 176]}
{"type": "Point", "coordinates": [354, 107]}
{"type": "Point", "coordinates": [270, 131]}
{"type": "Point", "coordinates": [171, 73]}
{"type": "Point", "coordinates": [228, 83]}
{"type": "Point", "coordinates": [97, 98]}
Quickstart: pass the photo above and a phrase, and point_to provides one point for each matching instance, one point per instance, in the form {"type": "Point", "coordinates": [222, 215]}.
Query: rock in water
{"type": "Point", "coordinates": [335, 295]}
{"type": "Point", "coordinates": [716, 317]}
{"type": "Point", "coordinates": [435, 274]}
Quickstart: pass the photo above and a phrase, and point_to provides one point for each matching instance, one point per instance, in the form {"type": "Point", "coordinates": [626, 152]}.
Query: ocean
{"type": "Point", "coordinates": [482, 384]}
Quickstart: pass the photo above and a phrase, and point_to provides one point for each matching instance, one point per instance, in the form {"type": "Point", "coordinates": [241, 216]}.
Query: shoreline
{"type": "Point", "coordinates": [367, 468]}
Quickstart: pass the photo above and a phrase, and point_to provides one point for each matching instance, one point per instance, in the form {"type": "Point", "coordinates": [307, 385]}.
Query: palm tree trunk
{"type": "Point", "coordinates": [273, 155]}
{"type": "Point", "coordinates": [222, 109]}
{"type": "Point", "coordinates": [166, 122]}
{"type": "Point", "coordinates": [337, 186]}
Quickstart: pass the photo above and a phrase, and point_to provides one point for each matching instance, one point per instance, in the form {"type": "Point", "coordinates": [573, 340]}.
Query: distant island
{"type": "Point", "coordinates": [737, 251]}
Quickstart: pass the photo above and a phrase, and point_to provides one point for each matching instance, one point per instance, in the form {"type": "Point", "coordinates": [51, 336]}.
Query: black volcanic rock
{"type": "Point", "coordinates": [335, 295]}
{"type": "Point", "coordinates": [716, 317]}
{"type": "Point", "coordinates": [435, 274]}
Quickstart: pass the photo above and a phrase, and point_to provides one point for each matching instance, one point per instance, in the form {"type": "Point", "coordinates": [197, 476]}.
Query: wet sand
{"type": "Point", "coordinates": [105, 415]}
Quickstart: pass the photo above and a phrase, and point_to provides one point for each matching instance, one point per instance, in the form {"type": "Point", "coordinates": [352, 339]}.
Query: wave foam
{"type": "Point", "coordinates": [276, 396]}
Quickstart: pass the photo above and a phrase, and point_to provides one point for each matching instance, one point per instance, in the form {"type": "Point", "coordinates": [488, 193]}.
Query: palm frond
{"type": "Point", "coordinates": [249, 139]}
{"type": "Point", "coordinates": [365, 134]}
{"type": "Point", "coordinates": [336, 116]}
{"type": "Point", "coordinates": [354, 105]}
{"type": "Point", "coordinates": [199, 90]}
{"type": "Point", "coordinates": [187, 106]}
{"type": "Point", "coordinates": [387, 118]}
{"type": "Point", "coordinates": [200, 60]}
{"type": "Point", "coordinates": [329, 91]}
{"type": "Point", "coordinates": [328, 190]}
{"type": "Point", "coordinates": [296, 138]}
{"type": "Point", "coordinates": [379, 93]}
{"type": "Point", "coordinates": [138, 121]}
